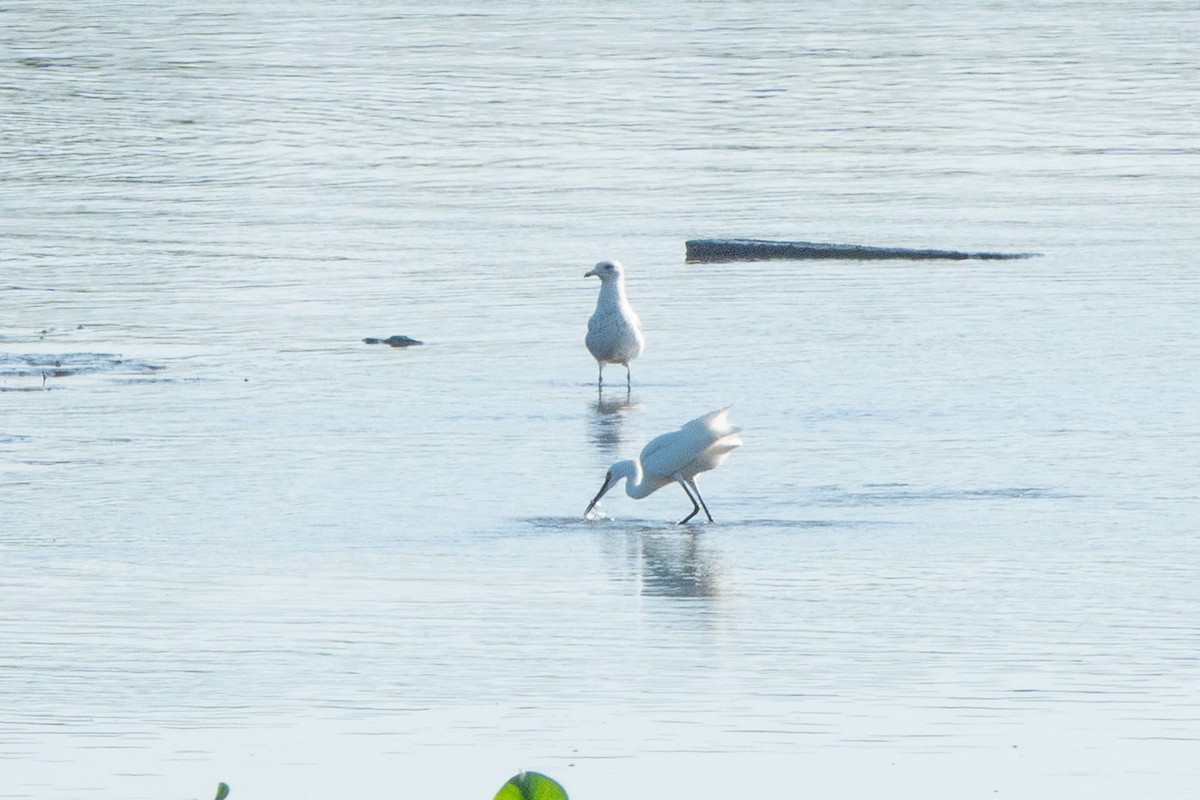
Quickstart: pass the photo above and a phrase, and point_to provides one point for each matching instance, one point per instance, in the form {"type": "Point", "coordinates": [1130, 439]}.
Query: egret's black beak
{"type": "Point", "coordinates": [608, 484]}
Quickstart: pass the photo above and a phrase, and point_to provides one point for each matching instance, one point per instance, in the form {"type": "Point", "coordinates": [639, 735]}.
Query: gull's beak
{"type": "Point", "coordinates": [590, 273]}
{"type": "Point", "coordinates": [608, 484]}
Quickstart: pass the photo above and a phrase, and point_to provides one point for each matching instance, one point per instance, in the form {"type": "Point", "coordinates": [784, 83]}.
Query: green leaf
{"type": "Point", "coordinates": [222, 791]}
{"type": "Point", "coordinates": [531, 786]}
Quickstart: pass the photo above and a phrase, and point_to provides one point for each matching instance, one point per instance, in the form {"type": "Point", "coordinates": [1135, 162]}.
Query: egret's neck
{"type": "Point", "coordinates": [631, 471]}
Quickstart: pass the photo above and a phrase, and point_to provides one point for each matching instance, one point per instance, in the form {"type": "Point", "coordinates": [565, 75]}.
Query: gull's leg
{"type": "Point", "coordinates": [696, 489]}
{"type": "Point", "coordinates": [600, 380]}
{"type": "Point", "coordinates": [695, 508]}
{"type": "Point", "coordinates": [628, 378]}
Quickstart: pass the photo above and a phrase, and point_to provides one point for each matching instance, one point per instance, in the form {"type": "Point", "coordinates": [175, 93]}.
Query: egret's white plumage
{"type": "Point", "coordinates": [614, 333]}
{"type": "Point", "coordinates": [679, 456]}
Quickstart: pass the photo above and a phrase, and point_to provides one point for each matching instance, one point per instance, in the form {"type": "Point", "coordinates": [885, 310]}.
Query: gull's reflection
{"type": "Point", "coordinates": [606, 424]}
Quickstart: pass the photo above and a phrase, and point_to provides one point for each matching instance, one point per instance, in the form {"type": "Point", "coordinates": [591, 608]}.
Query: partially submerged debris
{"type": "Point", "coordinates": [394, 341]}
{"type": "Point", "coordinates": [63, 365]}
{"type": "Point", "coordinates": [721, 250]}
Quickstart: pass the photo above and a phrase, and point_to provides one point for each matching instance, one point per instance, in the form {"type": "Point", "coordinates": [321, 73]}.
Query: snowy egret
{"type": "Point", "coordinates": [614, 332]}
{"type": "Point", "coordinates": [679, 456]}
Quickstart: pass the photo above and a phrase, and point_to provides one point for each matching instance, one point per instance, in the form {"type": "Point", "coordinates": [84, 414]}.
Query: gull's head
{"type": "Point", "coordinates": [606, 271]}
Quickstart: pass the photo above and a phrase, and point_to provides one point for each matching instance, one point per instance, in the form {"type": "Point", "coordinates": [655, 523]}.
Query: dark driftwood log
{"type": "Point", "coordinates": [717, 250]}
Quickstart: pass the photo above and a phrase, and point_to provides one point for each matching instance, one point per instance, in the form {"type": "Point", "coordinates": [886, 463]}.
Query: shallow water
{"type": "Point", "coordinates": [955, 557]}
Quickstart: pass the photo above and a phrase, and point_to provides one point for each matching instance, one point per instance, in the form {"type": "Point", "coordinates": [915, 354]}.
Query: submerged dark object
{"type": "Point", "coordinates": [719, 250]}
{"type": "Point", "coordinates": [63, 365]}
{"type": "Point", "coordinates": [394, 341]}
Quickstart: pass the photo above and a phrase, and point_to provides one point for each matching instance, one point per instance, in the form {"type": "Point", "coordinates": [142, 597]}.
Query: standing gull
{"type": "Point", "coordinates": [614, 332]}
{"type": "Point", "coordinates": [679, 456]}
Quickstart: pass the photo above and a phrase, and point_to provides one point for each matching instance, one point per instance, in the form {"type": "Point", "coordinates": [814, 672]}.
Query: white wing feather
{"type": "Point", "coordinates": [698, 446]}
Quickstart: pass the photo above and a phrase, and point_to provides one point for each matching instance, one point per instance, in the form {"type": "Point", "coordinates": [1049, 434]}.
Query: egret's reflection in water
{"type": "Point", "coordinates": [669, 562]}
{"type": "Point", "coordinates": [678, 565]}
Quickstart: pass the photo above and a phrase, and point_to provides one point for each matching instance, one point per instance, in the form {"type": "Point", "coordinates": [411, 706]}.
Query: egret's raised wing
{"type": "Point", "coordinates": [715, 422]}
{"type": "Point", "coordinates": [672, 452]}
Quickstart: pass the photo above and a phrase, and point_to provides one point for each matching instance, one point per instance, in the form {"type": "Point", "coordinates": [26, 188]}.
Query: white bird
{"type": "Point", "coordinates": [679, 456]}
{"type": "Point", "coordinates": [614, 332]}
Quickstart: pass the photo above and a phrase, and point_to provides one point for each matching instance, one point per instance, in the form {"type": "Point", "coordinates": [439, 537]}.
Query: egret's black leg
{"type": "Point", "coordinates": [695, 508]}
{"type": "Point", "coordinates": [696, 489]}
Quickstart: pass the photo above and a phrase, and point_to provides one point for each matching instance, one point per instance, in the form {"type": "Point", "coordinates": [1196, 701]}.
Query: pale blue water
{"type": "Point", "coordinates": [956, 556]}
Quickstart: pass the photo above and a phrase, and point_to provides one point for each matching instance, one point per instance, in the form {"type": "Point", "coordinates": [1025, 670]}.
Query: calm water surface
{"type": "Point", "coordinates": [956, 556]}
